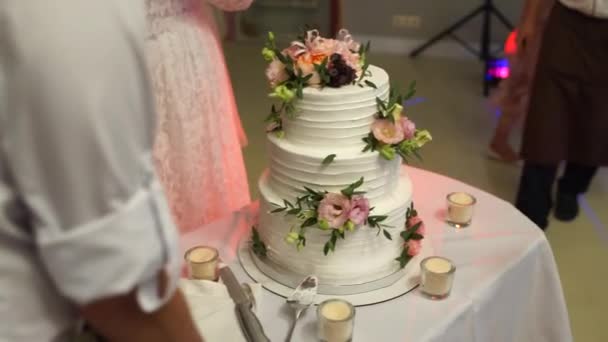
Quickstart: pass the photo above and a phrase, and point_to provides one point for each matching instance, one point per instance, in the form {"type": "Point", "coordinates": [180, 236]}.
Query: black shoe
{"type": "Point", "coordinates": [566, 208]}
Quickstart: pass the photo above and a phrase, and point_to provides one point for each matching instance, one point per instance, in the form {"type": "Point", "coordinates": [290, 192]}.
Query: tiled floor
{"type": "Point", "coordinates": [452, 108]}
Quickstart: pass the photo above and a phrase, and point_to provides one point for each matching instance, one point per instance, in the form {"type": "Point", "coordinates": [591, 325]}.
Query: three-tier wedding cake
{"type": "Point", "coordinates": [335, 201]}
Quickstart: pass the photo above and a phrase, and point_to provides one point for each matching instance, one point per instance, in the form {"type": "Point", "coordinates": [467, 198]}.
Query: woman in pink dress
{"type": "Point", "coordinates": [199, 135]}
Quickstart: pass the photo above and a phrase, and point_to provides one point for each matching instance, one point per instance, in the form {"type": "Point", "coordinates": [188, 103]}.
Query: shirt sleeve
{"type": "Point", "coordinates": [78, 141]}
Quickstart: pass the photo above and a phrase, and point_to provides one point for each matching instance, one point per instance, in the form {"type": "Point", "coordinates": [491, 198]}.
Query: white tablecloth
{"type": "Point", "coordinates": [507, 287]}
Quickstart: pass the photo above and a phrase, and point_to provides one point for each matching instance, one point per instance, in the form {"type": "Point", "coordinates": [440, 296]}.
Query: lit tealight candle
{"type": "Point", "coordinates": [437, 276]}
{"type": "Point", "coordinates": [336, 320]}
{"type": "Point", "coordinates": [460, 209]}
{"type": "Point", "coordinates": [202, 262]}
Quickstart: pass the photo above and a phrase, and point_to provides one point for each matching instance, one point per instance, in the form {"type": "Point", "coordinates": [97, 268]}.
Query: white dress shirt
{"type": "Point", "coordinates": [594, 8]}
{"type": "Point", "coordinates": [82, 215]}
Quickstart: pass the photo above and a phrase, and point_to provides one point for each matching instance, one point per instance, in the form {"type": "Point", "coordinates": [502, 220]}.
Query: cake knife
{"type": "Point", "coordinates": [250, 325]}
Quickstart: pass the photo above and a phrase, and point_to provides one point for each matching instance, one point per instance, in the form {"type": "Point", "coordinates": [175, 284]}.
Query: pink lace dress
{"type": "Point", "coordinates": [199, 136]}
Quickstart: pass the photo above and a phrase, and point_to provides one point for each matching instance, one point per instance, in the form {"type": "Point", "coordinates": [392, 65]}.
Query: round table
{"type": "Point", "coordinates": [506, 287]}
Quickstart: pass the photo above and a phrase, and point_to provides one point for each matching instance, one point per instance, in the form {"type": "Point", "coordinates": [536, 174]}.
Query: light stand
{"type": "Point", "coordinates": [487, 9]}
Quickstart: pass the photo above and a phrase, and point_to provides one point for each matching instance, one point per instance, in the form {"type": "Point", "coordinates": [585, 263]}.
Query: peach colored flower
{"type": "Point", "coordinates": [414, 221]}
{"type": "Point", "coordinates": [334, 209]}
{"type": "Point", "coordinates": [387, 132]}
{"type": "Point", "coordinates": [306, 63]}
{"type": "Point", "coordinates": [409, 127]}
{"type": "Point", "coordinates": [276, 73]}
{"type": "Point", "coordinates": [414, 247]}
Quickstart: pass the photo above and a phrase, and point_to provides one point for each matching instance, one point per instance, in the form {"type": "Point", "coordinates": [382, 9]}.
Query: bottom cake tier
{"type": "Point", "coordinates": [364, 256]}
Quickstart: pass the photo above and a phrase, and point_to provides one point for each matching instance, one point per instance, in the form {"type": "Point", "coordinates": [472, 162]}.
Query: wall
{"type": "Point", "coordinates": [375, 17]}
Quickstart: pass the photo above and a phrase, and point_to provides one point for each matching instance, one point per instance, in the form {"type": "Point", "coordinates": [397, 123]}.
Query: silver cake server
{"type": "Point", "coordinates": [250, 325]}
{"type": "Point", "coordinates": [301, 299]}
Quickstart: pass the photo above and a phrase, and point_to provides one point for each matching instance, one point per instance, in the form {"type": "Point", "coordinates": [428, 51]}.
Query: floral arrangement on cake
{"type": "Point", "coordinates": [412, 236]}
{"type": "Point", "coordinates": [311, 61]}
{"type": "Point", "coordinates": [336, 213]}
{"type": "Point", "coordinates": [392, 132]}
{"type": "Point", "coordinates": [340, 213]}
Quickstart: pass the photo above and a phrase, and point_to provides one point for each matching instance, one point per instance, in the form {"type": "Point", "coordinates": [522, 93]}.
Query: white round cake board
{"type": "Point", "coordinates": [403, 285]}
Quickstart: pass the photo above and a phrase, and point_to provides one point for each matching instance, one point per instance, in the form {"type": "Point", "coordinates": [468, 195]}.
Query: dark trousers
{"type": "Point", "coordinates": [534, 198]}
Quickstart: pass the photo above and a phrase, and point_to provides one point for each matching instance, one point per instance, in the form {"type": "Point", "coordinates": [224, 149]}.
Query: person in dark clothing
{"type": "Point", "coordinates": [568, 114]}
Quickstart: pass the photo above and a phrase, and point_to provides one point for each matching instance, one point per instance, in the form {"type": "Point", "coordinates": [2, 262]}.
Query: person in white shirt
{"type": "Point", "coordinates": [85, 232]}
{"type": "Point", "coordinates": [567, 118]}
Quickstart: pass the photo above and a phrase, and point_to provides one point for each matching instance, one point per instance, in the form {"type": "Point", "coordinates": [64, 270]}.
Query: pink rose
{"type": "Point", "coordinates": [414, 247]}
{"type": "Point", "coordinates": [323, 46]}
{"type": "Point", "coordinates": [345, 37]}
{"type": "Point", "coordinates": [414, 221]}
{"type": "Point", "coordinates": [352, 59]}
{"type": "Point", "coordinates": [276, 73]}
{"type": "Point", "coordinates": [387, 132]}
{"type": "Point", "coordinates": [359, 209]}
{"type": "Point", "coordinates": [334, 209]}
{"type": "Point", "coordinates": [409, 127]}
{"type": "Point", "coordinates": [306, 63]}
{"type": "Point", "coordinates": [295, 50]}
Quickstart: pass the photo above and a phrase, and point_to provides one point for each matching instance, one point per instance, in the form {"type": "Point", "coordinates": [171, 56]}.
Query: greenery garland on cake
{"type": "Point", "coordinates": [336, 213]}
{"type": "Point", "coordinates": [311, 61]}
{"type": "Point", "coordinates": [412, 234]}
{"type": "Point", "coordinates": [392, 132]}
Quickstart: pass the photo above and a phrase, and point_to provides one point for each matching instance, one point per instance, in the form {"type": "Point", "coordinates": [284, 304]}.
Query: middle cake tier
{"type": "Point", "coordinates": [293, 167]}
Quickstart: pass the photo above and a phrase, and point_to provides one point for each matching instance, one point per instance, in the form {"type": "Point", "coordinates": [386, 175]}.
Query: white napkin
{"type": "Point", "coordinates": [213, 310]}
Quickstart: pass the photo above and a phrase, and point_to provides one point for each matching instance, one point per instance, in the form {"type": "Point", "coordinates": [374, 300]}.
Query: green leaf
{"type": "Point", "coordinates": [381, 104]}
{"type": "Point", "coordinates": [387, 234]}
{"type": "Point", "coordinates": [278, 210]}
{"type": "Point", "coordinates": [348, 192]}
{"type": "Point", "coordinates": [381, 218]}
{"type": "Point", "coordinates": [311, 191]}
{"type": "Point", "coordinates": [294, 211]}
{"type": "Point", "coordinates": [281, 56]}
{"type": "Point", "coordinates": [411, 91]}
{"type": "Point", "coordinates": [404, 258]}
{"type": "Point", "coordinates": [309, 222]}
{"type": "Point", "coordinates": [415, 227]}
{"type": "Point", "coordinates": [287, 204]}
{"type": "Point", "coordinates": [418, 156]}
{"type": "Point", "coordinates": [329, 159]}
{"type": "Point", "coordinates": [326, 248]}
{"type": "Point", "coordinates": [416, 236]}
{"type": "Point", "coordinates": [371, 84]}
{"type": "Point", "coordinates": [405, 235]}
{"type": "Point", "coordinates": [258, 246]}
{"type": "Point", "coordinates": [324, 62]}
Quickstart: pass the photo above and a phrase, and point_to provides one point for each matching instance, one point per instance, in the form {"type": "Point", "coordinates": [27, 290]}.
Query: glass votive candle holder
{"type": "Point", "coordinates": [436, 277]}
{"type": "Point", "coordinates": [460, 209]}
{"type": "Point", "coordinates": [336, 320]}
{"type": "Point", "coordinates": [202, 262]}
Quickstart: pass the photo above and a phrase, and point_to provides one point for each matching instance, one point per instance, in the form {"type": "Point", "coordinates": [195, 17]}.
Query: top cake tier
{"type": "Point", "coordinates": [337, 117]}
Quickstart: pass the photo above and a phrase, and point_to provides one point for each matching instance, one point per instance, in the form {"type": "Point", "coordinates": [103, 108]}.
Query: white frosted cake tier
{"type": "Point", "coordinates": [337, 117]}
{"type": "Point", "coordinates": [294, 166]}
{"type": "Point", "coordinates": [362, 257]}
